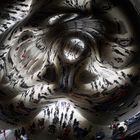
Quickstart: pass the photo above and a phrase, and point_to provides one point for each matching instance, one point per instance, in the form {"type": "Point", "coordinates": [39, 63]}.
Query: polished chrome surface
{"type": "Point", "coordinates": [81, 50]}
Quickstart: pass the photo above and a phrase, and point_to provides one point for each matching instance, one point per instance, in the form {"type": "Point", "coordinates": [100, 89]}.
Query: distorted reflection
{"type": "Point", "coordinates": [82, 51]}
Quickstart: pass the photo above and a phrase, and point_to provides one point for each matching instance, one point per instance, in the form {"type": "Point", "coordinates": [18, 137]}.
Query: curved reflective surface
{"type": "Point", "coordinates": [83, 51]}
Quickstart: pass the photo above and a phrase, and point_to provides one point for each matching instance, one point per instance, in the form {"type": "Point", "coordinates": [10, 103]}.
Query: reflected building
{"type": "Point", "coordinates": [84, 53]}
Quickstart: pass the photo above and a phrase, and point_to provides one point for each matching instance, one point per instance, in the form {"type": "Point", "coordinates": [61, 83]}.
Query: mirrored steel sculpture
{"type": "Point", "coordinates": [85, 51]}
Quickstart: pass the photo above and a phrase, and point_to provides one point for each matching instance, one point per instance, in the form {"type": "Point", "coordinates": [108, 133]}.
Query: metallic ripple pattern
{"type": "Point", "coordinates": [81, 50]}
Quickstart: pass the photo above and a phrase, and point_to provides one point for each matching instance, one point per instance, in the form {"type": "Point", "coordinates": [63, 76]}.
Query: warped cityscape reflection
{"type": "Point", "coordinates": [82, 51]}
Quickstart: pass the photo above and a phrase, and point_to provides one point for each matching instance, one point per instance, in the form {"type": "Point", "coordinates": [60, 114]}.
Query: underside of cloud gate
{"type": "Point", "coordinates": [84, 52]}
